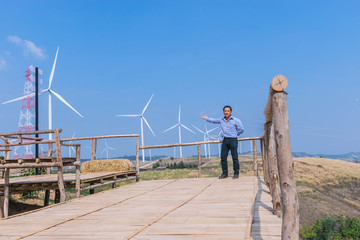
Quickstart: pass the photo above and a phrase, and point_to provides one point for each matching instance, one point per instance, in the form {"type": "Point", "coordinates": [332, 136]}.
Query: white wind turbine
{"type": "Point", "coordinates": [218, 138]}
{"type": "Point", "coordinates": [106, 149]}
{"type": "Point", "coordinates": [206, 137]}
{"type": "Point", "coordinates": [72, 148]}
{"type": "Point", "coordinates": [179, 124]}
{"type": "Point", "coordinates": [141, 124]}
{"type": "Point", "coordinates": [51, 92]}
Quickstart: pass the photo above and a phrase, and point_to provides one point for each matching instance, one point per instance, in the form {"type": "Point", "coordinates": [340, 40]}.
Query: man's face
{"type": "Point", "coordinates": [227, 112]}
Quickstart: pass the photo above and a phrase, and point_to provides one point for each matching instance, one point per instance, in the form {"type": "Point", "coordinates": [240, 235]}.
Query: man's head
{"type": "Point", "coordinates": [227, 111]}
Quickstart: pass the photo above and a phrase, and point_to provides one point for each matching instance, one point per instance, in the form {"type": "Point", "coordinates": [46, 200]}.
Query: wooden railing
{"type": "Point", "coordinates": [198, 144]}
{"type": "Point", "coordinates": [7, 163]}
{"type": "Point", "coordinates": [278, 162]}
{"type": "Point", "coordinates": [94, 144]}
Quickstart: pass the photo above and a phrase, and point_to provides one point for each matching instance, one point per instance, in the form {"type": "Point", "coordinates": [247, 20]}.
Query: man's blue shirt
{"type": "Point", "coordinates": [231, 128]}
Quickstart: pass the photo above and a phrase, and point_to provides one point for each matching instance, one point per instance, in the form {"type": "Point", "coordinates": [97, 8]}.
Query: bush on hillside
{"type": "Point", "coordinates": [332, 227]}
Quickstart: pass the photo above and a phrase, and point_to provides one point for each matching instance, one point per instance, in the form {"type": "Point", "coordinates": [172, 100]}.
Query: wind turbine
{"type": "Point", "coordinates": [106, 149]}
{"type": "Point", "coordinates": [51, 92]}
{"type": "Point", "coordinates": [218, 138]}
{"type": "Point", "coordinates": [206, 135]}
{"type": "Point", "coordinates": [179, 124]}
{"type": "Point", "coordinates": [141, 124]}
{"type": "Point", "coordinates": [71, 148]}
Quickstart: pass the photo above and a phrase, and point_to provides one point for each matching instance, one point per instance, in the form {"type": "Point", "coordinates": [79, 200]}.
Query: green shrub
{"type": "Point", "coordinates": [332, 228]}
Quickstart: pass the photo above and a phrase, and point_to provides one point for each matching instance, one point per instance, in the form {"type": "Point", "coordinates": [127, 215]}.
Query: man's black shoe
{"type": "Point", "coordinates": [236, 176]}
{"type": "Point", "coordinates": [223, 176]}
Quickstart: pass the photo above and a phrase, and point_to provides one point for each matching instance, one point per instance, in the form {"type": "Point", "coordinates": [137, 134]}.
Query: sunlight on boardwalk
{"type": "Point", "coordinates": [205, 208]}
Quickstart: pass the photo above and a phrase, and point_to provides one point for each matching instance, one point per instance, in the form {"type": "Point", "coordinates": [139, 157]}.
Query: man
{"type": "Point", "coordinates": [231, 128]}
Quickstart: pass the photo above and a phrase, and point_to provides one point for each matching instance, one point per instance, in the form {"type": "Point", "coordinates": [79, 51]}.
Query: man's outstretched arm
{"type": "Point", "coordinates": [211, 120]}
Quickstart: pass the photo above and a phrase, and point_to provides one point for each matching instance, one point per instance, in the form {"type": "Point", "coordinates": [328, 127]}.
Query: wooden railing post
{"type": "Point", "coordinates": [199, 160]}
{"type": "Point", "coordinates": [6, 185]}
{"type": "Point", "coordinates": [264, 163]}
{"type": "Point", "coordinates": [255, 164]}
{"type": "Point", "coordinates": [137, 158]}
{"type": "Point", "coordinates": [93, 149]}
{"type": "Point", "coordinates": [77, 171]}
{"type": "Point", "coordinates": [273, 167]}
{"type": "Point", "coordinates": [289, 197]}
{"type": "Point", "coordinates": [60, 171]}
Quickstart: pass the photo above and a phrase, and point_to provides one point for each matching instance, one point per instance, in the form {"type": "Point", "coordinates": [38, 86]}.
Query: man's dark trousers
{"type": "Point", "coordinates": [232, 145]}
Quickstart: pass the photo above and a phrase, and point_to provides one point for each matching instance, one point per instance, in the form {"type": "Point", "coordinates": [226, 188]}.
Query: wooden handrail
{"type": "Point", "coordinates": [99, 137]}
{"type": "Point", "coordinates": [195, 143]}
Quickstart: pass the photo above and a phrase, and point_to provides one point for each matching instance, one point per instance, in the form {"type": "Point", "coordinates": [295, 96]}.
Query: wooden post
{"type": "Point", "coordinates": [1, 207]}
{"type": "Point", "coordinates": [77, 173]}
{"type": "Point", "coordinates": [93, 149]}
{"type": "Point", "coordinates": [114, 184]}
{"type": "Point", "coordinates": [264, 163]}
{"type": "Point", "coordinates": [255, 165]}
{"type": "Point", "coordinates": [137, 159]}
{"type": "Point", "coordinates": [47, 192]}
{"type": "Point", "coordinates": [60, 171]}
{"type": "Point", "coordinates": [6, 192]}
{"type": "Point", "coordinates": [289, 198]}
{"type": "Point", "coordinates": [6, 185]}
{"type": "Point", "coordinates": [199, 160]}
{"type": "Point", "coordinates": [273, 168]}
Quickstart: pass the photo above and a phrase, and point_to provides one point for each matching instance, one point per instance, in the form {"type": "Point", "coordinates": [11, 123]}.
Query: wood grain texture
{"type": "Point", "coordinates": [198, 208]}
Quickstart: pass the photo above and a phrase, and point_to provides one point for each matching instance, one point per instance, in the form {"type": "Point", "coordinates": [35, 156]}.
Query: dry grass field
{"type": "Point", "coordinates": [325, 186]}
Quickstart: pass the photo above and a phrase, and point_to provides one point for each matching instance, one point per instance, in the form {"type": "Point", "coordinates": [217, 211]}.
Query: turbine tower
{"type": "Point", "coordinates": [142, 118]}
{"type": "Point", "coordinates": [51, 92]}
{"type": "Point", "coordinates": [106, 149]}
{"type": "Point", "coordinates": [179, 124]}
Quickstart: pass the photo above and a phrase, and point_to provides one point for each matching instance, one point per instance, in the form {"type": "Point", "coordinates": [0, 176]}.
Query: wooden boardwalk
{"type": "Point", "coordinates": [205, 208]}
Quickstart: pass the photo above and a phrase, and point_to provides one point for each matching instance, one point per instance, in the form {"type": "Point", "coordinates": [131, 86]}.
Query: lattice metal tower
{"type": "Point", "coordinates": [27, 114]}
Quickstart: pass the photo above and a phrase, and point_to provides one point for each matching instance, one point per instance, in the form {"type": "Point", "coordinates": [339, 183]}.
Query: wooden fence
{"type": "Point", "coordinates": [278, 162]}
{"type": "Point", "coordinates": [198, 144]}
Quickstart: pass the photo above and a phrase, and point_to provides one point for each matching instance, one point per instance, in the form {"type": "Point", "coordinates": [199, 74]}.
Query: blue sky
{"type": "Point", "coordinates": [201, 54]}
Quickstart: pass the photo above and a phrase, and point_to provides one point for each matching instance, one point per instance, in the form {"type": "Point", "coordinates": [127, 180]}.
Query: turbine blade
{"type": "Point", "coordinates": [131, 115]}
{"type": "Point", "coordinates": [179, 112]}
{"type": "Point", "coordinates": [66, 103]}
{"type": "Point", "coordinates": [170, 128]}
{"type": "Point", "coordinates": [198, 129]}
{"type": "Point", "coordinates": [20, 98]}
{"type": "Point", "coordinates": [111, 148]}
{"type": "Point", "coordinates": [53, 69]}
{"type": "Point", "coordinates": [187, 128]}
{"type": "Point", "coordinates": [149, 126]}
{"type": "Point", "coordinates": [104, 150]}
{"type": "Point", "coordinates": [212, 130]}
{"type": "Point", "coordinates": [147, 105]}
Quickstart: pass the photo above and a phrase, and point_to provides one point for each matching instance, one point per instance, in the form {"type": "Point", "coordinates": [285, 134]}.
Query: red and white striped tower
{"type": "Point", "coordinates": [27, 114]}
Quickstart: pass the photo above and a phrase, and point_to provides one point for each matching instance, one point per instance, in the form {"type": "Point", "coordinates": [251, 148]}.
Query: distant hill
{"type": "Point", "coordinates": [349, 157]}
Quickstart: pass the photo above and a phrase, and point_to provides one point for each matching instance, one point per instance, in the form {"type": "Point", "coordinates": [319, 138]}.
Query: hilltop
{"type": "Point", "coordinates": [349, 157]}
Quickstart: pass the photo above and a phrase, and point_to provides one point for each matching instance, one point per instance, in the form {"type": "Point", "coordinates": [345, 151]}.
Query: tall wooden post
{"type": "Point", "coordinates": [93, 149]}
{"type": "Point", "coordinates": [60, 171]}
{"type": "Point", "coordinates": [255, 164]}
{"type": "Point", "coordinates": [77, 171]}
{"type": "Point", "coordinates": [273, 167]}
{"type": "Point", "coordinates": [199, 160]}
{"type": "Point", "coordinates": [289, 198]}
{"type": "Point", "coordinates": [137, 158]}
